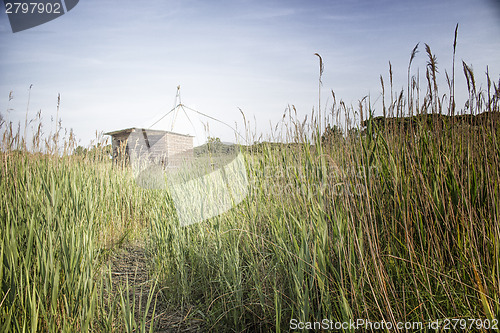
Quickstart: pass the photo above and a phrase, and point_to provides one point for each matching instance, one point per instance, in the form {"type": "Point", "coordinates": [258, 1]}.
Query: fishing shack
{"type": "Point", "coordinates": [168, 149]}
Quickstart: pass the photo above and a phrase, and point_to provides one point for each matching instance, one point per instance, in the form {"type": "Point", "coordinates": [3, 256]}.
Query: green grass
{"type": "Point", "coordinates": [389, 222]}
{"type": "Point", "coordinates": [60, 216]}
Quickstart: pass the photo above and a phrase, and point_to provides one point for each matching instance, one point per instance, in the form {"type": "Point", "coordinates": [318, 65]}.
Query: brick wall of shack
{"type": "Point", "coordinates": [158, 151]}
{"type": "Point", "coordinates": [179, 149]}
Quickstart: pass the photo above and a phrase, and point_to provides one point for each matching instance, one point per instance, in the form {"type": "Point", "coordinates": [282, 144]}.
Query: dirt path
{"type": "Point", "coordinates": [130, 263]}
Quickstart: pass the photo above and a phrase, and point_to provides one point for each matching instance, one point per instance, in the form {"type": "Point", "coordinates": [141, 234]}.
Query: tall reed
{"type": "Point", "coordinates": [395, 220]}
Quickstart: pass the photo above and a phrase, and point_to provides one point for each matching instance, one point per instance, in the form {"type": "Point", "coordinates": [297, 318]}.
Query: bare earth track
{"type": "Point", "coordinates": [129, 263]}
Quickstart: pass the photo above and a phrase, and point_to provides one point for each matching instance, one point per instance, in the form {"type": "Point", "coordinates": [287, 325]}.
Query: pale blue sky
{"type": "Point", "coordinates": [117, 64]}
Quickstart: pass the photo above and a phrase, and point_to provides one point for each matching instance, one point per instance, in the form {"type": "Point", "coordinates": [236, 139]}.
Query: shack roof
{"type": "Point", "coordinates": [151, 131]}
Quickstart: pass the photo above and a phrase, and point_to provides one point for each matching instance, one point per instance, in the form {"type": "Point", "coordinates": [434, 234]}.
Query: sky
{"type": "Point", "coordinates": [117, 64]}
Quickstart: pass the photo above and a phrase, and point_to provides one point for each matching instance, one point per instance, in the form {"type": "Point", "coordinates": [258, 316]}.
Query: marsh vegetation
{"type": "Point", "coordinates": [383, 221]}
